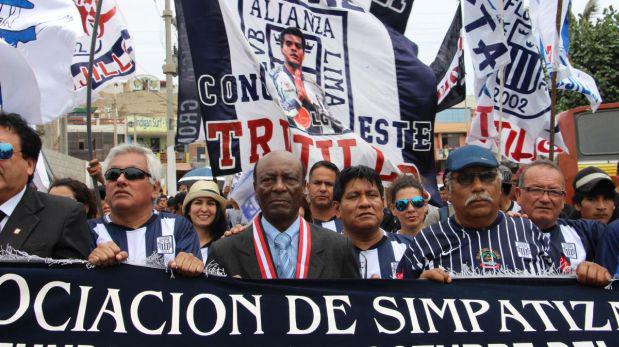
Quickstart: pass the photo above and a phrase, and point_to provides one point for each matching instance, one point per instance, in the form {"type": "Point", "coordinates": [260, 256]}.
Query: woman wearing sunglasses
{"type": "Point", "coordinates": [205, 207]}
{"type": "Point", "coordinates": [408, 204]}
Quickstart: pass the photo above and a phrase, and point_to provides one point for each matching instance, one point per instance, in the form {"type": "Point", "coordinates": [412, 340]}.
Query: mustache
{"type": "Point", "coordinates": [476, 197]}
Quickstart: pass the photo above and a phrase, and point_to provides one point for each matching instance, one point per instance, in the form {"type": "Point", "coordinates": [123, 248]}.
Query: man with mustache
{"type": "Point", "coordinates": [134, 230]}
{"type": "Point", "coordinates": [279, 243]}
{"type": "Point", "coordinates": [479, 238]}
{"type": "Point", "coordinates": [574, 243]}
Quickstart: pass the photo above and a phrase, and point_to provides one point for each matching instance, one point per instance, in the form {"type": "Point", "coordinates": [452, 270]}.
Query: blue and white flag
{"type": "Point", "coordinates": [488, 46]}
{"type": "Point", "coordinates": [520, 108]}
{"type": "Point", "coordinates": [245, 196]}
{"type": "Point", "coordinates": [371, 101]}
{"type": "Point", "coordinates": [43, 32]}
{"type": "Point", "coordinates": [554, 50]}
{"type": "Point", "coordinates": [114, 59]}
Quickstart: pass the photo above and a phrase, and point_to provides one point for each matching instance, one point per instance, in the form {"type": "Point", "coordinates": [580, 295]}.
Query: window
{"type": "Point", "coordinates": [596, 134]}
{"type": "Point", "coordinates": [451, 140]}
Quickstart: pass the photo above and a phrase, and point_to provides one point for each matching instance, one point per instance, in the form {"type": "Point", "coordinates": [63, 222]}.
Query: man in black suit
{"type": "Point", "coordinates": [280, 244]}
{"type": "Point", "coordinates": [30, 221]}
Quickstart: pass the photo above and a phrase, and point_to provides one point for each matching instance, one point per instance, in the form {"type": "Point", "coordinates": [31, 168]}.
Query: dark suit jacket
{"type": "Point", "coordinates": [47, 226]}
{"type": "Point", "coordinates": [332, 255]}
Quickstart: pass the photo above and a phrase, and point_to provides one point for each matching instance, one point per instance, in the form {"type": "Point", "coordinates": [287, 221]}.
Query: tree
{"type": "Point", "coordinates": [594, 49]}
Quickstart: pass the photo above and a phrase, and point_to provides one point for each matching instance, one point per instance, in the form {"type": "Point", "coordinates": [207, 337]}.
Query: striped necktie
{"type": "Point", "coordinates": [285, 267]}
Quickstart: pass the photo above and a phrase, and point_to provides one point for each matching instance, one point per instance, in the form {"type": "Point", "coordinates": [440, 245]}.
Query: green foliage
{"type": "Point", "coordinates": [594, 49]}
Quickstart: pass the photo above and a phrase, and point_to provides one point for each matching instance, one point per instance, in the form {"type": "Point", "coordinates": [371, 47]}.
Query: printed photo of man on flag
{"type": "Point", "coordinates": [301, 98]}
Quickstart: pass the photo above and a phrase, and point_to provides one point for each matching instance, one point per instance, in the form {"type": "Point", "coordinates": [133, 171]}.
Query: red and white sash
{"type": "Point", "coordinates": [263, 255]}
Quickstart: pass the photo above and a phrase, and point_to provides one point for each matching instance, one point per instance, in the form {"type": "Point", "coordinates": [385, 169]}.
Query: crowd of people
{"type": "Point", "coordinates": [497, 219]}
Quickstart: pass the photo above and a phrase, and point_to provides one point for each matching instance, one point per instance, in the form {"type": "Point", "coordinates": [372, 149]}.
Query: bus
{"type": "Point", "coordinates": [592, 140]}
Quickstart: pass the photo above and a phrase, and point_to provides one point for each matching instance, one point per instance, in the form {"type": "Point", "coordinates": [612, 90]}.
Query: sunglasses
{"type": "Point", "coordinates": [6, 150]}
{"type": "Point", "coordinates": [466, 179]}
{"type": "Point", "coordinates": [131, 173]}
{"type": "Point", "coordinates": [417, 201]}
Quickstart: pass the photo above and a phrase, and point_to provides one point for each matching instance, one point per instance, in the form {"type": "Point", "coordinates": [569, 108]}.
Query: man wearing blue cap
{"type": "Point", "coordinates": [479, 238]}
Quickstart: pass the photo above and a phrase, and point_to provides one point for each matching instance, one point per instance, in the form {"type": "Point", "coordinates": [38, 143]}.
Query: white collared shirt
{"type": "Point", "coordinates": [9, 206]}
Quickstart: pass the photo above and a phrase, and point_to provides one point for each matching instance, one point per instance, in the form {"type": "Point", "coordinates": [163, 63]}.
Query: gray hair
{"type": "Point", "coordinates": [154, 165]}
{"type": "Point", "coordinates": [540, 163]}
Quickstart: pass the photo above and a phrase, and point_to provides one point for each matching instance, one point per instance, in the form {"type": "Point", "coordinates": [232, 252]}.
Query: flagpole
{"type": "Point", "coordinates": [501, 88]}
{"type": "Point", "coordinates": [91, 57]}
{"type": "Point", "coordinates": [169, 70]}
{"type": "Point", "coordinates": [553, 81]}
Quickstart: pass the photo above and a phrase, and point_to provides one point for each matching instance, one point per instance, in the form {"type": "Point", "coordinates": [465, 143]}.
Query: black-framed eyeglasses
{"type": "Point", "coordinates": [131, 173]}
{"type": "Point", "coordinates": [416, 201]}
{"type": "Point", "coordinates": [537, 192]}
{"type": "Point", "coordinates": [6, 151]}
{"type": "Point", "coordinates": [467, 178]}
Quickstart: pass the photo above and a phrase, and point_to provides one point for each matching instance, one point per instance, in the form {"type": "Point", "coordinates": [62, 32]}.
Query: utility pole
{"type": "Point", "coordinates": [169, 69]}
{"type": "Point", "coordinates": [63, 144]}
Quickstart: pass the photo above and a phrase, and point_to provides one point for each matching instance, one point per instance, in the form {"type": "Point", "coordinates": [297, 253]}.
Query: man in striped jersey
{"type": "Point", "coordinates": [541, 195]}
{"type": "Point", "coordinates": [134, 231]}
{"type": "Point", "coordinates": [319, 187]}
{"type": "Point", "coordinates": [478, 239]}
{"type": "Point", "coordinates": [358, 196]}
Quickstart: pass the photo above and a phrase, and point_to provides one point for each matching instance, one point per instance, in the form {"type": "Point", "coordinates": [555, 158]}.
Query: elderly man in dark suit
{"type": "Point", "coordinates": [279, 243]}
{"type": "Point", "coordinates": [30, 221]}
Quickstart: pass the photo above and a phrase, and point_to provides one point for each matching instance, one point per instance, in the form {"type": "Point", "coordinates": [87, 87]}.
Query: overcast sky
{"type": "Point", "coordinates": [427, 25]}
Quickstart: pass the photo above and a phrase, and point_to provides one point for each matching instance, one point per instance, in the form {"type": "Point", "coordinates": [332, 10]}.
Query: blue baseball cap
{"type": "Point", "coordinates": [470, 155]}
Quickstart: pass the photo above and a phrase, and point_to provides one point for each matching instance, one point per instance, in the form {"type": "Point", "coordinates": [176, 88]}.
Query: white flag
{"type": "Point", "coordinates": [554, 50]}
{"type": "Point", "coordinates": [114, 59]}
{"type": "Point", "coordinates": [484, 33]}
{"type": "Point", "coordinates": [543, 17]}
{"type": "Point", "coordinates": [523, 99]}
{"type": "Point", "coordinates": [19, 90]}
{"type": "Point", "coordinates": [44, 34]}
{"type": "Point", "coordinates": [245, 195]}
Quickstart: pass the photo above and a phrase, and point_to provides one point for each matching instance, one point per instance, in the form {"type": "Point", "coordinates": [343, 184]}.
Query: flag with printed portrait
{"type": "Point", "coordinates": [367, 98]}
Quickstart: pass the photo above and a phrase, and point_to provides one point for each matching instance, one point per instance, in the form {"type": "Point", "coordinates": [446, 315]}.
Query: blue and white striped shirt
{"type": "Point", "coordinates": [574, 241]}
{"type": "Point", "coordinates": [383, 258]}
{"type": "Point", "coordinates": [164, 233]}
{"type": "Point", "coordinates": [507, 244]}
